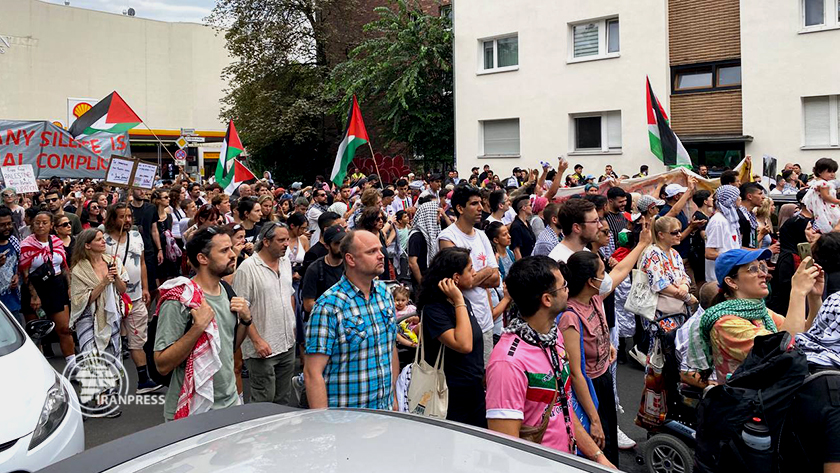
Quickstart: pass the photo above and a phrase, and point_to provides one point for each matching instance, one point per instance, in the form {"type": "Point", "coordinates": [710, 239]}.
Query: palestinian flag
{"type": "Point", "coordinates": [240, 175]}
{"type": "Point", "coordinates": [228, 170]}
{"type": "Point", "coordinates": [354, 136]}
{"type": "Point", "coordinates": [664, 143]}
{"type": "Point", "coordinates": [111, 115]}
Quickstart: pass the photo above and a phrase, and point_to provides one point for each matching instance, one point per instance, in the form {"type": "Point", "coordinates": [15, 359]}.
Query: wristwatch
{"type": "Point", "coordinates": [246, 322]}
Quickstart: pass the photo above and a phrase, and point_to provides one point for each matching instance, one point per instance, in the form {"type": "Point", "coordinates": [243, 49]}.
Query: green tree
{"type": "Point", "coordinates": [276, 82]}
{"type": "Point", "coordinates": [402, 74]}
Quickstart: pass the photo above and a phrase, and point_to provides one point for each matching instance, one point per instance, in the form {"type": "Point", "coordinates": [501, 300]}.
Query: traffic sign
{"type": "Point", "coordinates": [181, 142]}
{"type": "Point", "coordinates": [187, 131]}
{"type": "Point", "coordinates": [180, 158]}
{"type": "Point", "coordinates": [194, 139]}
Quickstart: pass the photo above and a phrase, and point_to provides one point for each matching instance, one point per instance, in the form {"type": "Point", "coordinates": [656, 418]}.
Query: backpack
{"type": "Point", "coordinates": [763, 387]}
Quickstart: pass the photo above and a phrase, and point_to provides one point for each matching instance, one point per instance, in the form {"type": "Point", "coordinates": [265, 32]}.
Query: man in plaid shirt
{"type": "Point", "coordinates": [350, 338]}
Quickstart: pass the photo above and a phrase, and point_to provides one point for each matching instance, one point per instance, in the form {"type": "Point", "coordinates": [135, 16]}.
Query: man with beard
{"type": "Point", "coordinates": [529, 364]}
{"type": "Point", "coordinates": [9, 259]}
{"type": "Point", "coordinates": [351, 353]}
{"type": "Point", "coordinates": [319, 206]}
{"type": "Point", "coordinates": [55, 204]}
{"type": "Point", "coordinates": [265, 280]}
{"type": "Point", "coordinates": [580, 223]}
{"type": "Point", "coordinates": [180, 325]}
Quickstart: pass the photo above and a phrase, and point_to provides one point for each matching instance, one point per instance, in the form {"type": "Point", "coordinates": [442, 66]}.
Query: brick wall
{"type": "Point", "coordinates": [703, 30]}
{"type": "Point", "coordinates": [707, 113]}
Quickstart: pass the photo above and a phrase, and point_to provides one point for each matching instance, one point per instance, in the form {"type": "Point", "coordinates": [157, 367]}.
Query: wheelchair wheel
{"type": "Point", "coordinates": [667, 454]}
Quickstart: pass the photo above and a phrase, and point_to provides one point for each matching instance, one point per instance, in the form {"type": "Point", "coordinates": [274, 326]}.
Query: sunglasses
{"type": "Point", "coordinates": [675, 233]}
{"type": "Point", "coordinates": [758, 268]}
{"type": "Point", "coordinates": [65, 224]}
{"type": "Point", "coordinates": [55, 199]}
{"type": "Point", "coordinates": [380, 219]}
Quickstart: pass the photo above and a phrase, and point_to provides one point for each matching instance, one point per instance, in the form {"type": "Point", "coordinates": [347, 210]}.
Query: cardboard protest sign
{"type": "Point", "coordinates": [129, 172]}
{"type": "Point", "coordinates": [52, 152]}
{"type": "Point", "coordinates": [21, 177]}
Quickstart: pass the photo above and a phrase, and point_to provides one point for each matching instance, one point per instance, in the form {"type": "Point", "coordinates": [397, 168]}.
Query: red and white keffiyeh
{"type": "Point", "coordinates": [197, 393]}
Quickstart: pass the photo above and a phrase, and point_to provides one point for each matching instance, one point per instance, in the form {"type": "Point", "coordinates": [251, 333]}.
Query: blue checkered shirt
{"type": "Point", "coordinates": [358, 335]}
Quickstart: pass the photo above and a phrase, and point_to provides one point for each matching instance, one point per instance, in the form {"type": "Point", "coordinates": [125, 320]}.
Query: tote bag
{"type": "Point", "coordinates": [641, 300]}
{"type": "Point", "coordinates": [428, 394]}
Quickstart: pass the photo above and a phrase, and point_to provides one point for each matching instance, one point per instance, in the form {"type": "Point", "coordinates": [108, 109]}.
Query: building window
{"type": "Point", "coordinates": [500, 54]}
{"type": "Point", "coordinates": [821, 121]}
{"type": "Point", "coordinates": [596, 132]}
{"type": "Point", "coordinates": [500, 137]}
{"type": "Point", "coordinates": [446, 11]}
{"type": "Point", "coordinates": [594, 39]}
{"type": "Point", "coordinates": [706, 77]}
{"type": "Point", "coordinates": [820, 14]}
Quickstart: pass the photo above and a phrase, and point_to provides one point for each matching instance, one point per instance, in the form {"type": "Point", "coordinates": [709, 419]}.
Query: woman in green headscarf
{"type": "Point", "coordinates": [738, 315]}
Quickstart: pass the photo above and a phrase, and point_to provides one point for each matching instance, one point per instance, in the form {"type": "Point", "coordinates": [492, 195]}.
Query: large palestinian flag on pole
{"type": "Point", "coordinates": [230, 173]}
{"type": "Point", "coordinates": [111, 115]}
{"type": "Point", "coordinates": [664, 143]}
{"type": "Point", "coordinates": [354, 136]}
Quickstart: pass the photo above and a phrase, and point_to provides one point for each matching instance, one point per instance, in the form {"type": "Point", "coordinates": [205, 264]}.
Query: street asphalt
{"type": "Point", "coordinates": [135, 418]}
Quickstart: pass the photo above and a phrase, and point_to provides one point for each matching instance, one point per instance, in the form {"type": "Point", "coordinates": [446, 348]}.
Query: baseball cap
{"type": "Point", "coordinates": [589, 176]}
{"type": "Point", "coordinates": [646, 201]}
{"type": "Point", "coordinates": [673, 189]}
{"type": "Point", "coordinates": [334, 233]}
{"type": "Point", "coordinates": [296, 185]}
{"type": "Point", "coordinates": [737, 257]}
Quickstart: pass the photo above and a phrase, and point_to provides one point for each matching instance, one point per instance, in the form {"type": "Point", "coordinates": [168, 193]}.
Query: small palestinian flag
{"type": "Point", "coordinates": [230, 172]}
{"type": "Point", "coordinates": [111, 115]}
{"type": "Point", "coordinates": [664, 143]}
{"type": "Point", "coordinates": [354, 136]}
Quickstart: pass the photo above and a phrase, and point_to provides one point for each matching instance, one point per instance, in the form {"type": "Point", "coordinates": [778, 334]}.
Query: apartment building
{"type": "Point", "coordinates": [538, 80]}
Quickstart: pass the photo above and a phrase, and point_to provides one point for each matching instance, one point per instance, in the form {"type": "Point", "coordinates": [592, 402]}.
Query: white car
{"type": "Point", "coordinates": [267, 438]}
{"type": "Point", "coordinates": [41, 421]}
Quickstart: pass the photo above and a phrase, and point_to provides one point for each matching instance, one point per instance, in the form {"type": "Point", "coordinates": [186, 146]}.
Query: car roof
{"type": "Point", "coordinates": [338, 440]}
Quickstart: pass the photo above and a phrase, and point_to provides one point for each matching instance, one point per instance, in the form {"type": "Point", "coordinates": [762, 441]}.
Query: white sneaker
{"type": "Point", "coordinates": [625, 442]}
{"type": "Point", "coordinates": [637, 355]}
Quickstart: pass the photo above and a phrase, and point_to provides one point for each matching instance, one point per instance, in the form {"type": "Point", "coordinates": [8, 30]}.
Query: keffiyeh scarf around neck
{"type": "Point", "coordinates": [749, 309]}
{"type": "Point", "coordinates": [725, 198]}
{"type": "Point", "coordinates": [426, 222]}
{"type": "Point", "coordinates": [750, 216]}
{"type": "Point", "coordinates": [821, 343]}
{"type": "Point", "coordinates": [520, 328]}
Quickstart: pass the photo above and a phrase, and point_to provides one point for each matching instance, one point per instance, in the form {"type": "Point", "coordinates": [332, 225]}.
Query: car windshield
{"type": "Point", "coordinates": [11, 337]}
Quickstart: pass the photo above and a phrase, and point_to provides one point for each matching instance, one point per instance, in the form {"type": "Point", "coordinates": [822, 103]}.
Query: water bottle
{"type": "Point", "coordinates": [758, 454]}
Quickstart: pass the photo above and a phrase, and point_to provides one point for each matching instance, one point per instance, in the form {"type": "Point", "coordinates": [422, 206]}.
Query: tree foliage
{"type": "Point", "coordinates": [403, 73]}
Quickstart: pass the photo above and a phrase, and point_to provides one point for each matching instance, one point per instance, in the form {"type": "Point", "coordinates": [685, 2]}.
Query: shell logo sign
{"type": "Point", "coordinates": [80, 109]}
{"type": "Point", "coordinates": [58, 124]}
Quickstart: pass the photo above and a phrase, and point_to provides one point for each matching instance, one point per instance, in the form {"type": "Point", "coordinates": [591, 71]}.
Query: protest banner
{"type": "Point", "coordinates": [645, 185]}
{"type": "Point", "coordinates": [129, 172]}
{"type": "Point", "coordinates": [21, 177]}
{"type": "Point", "coordinates": [52, 152]}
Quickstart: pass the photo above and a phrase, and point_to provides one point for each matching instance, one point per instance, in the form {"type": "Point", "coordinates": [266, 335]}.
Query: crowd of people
{"type": "Point", "coordinates": [522, 293]}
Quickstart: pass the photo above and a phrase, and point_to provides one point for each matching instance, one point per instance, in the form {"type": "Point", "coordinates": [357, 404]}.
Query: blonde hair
{"type": "Point", "coordinates": [763, 211]}
{"type": "Point", "coordinates": [663, 224]}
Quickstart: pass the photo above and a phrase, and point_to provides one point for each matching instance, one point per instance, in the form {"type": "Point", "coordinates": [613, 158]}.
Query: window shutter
{"type": "Point", "coordinates": [501, 137]}
{"type": "Point", "coordinates": [586, 40]}
{"type": "Point", "coordinates": [817, 119]}
{"type": "Point", "coordinates": [614, 130]}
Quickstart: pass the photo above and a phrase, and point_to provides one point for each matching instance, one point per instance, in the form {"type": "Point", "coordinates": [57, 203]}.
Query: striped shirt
{"type": "Point", "coordinates": [358, 335]}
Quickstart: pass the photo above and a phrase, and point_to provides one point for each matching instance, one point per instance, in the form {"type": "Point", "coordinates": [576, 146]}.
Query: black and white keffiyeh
{"type": "Point", "coordinates": [725, 198]}
{"type": "Point", "coordinates": [821, 343]}
{"type": "Point", "coordinates": [427, 222]}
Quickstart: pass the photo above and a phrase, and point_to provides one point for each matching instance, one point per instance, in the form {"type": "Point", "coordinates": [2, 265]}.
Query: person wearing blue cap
{"type": "Point", "coordinates": [738, 314]}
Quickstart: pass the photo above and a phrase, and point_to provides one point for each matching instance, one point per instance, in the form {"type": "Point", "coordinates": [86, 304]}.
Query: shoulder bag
{"type": "Point", "coordinates": [428, 394]}
{"type": "Point", "coordinates": [641, 300]}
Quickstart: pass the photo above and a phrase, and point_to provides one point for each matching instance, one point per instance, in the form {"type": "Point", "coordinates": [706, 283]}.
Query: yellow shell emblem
{"type": "Point", "coordinates": [80, 109]}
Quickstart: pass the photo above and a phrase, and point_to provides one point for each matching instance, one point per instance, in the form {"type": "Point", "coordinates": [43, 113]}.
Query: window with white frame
{"type": "Point", "coordinates": [500, 137]}
{"type": "Point", "coordinates": [594, 39]}
{"type": "Point", "coordinates": [821, 121]}
{"type": "Point", "coordinates": [820, 14]}
{"type": "Point", "coordinates": [499, 54]}
{"type": "Point", "coordinates": [596, 132]}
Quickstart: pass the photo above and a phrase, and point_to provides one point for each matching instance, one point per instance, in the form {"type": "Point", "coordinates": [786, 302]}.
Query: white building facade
{"type": "Point", "coordinates": [535, 80]}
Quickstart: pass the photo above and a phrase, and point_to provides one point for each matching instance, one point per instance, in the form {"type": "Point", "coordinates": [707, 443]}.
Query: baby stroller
{"type": "Point", "coordinates": [671, 434]}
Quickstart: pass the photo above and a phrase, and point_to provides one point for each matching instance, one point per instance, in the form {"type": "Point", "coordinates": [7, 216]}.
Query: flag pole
{"type": "Point", "coordinates": [376, 166]}
{"type": "Point", "coordinates": [159, 141]}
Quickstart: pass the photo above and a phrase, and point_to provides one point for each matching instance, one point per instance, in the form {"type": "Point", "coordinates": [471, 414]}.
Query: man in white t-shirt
{"type": "Point", "coordinates": [402, 201]}
{"type": "Point", "coordinates": [580, 224]}
{"type": "Point", "coordinates": [466, 202]}
{"type": "Point", "coordinates": [721, 236]}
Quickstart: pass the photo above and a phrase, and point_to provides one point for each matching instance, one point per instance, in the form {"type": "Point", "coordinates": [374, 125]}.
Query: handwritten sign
{"type": "Point", "coordinates": [21, 177]}
{"type": "Point", "coordinates": [144, 176]}
{"type": "Point", "coordinates": [129, 172]}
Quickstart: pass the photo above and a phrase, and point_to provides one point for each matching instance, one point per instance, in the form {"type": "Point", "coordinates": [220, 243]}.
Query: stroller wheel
{"type": "Point", "coordinates": [667, 454]}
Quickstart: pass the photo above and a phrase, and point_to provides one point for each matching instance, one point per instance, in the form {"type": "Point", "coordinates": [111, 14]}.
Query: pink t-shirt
{"type": "Point", "coordinates": [596, 333]}
{"type": "Point", "coordinates": [520, 383]}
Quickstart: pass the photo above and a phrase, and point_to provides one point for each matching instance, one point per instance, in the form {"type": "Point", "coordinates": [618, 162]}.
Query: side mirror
{"type": "Point", "coordinates": [39, 328]}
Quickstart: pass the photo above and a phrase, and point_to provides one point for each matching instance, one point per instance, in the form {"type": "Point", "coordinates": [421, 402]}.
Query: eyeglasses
{"type": "Point", "coordinates": [591, 221]}
{"type": "Point", "coordinates": [757, 268]}
{"type": "Point", "coordinates": [564, 286]}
